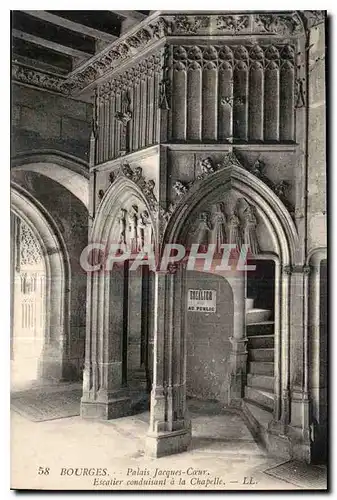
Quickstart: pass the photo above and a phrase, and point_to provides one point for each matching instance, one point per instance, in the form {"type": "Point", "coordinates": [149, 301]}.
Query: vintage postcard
{"type": "Point", "coordinates": [169, 250]}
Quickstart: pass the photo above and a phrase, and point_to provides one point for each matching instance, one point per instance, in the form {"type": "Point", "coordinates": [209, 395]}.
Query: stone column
{"type": "Point", "coordinates": [170, 430]}
{"type": "Point", "coordinates": [299, 424]}
{"type": "Point", "coordinates": [239, 353]}
{"type": "Point", "coordinates": [136, 310]}
{"type": "Point", "coordinates": [105, 394]}
{"type": "Point", "coordinates": [285, 345]}
{"type": "Point", "coordinates": [316, 361]}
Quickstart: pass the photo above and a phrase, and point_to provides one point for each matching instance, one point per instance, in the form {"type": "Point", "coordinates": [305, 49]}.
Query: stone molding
{"type": "Point", "coordinates": [136, 175]}
{"type": "Point", "coordinates": [209, 167]}
{"type": "Point", "coordinates": [158, 27]}
{"type": "Point", "coordinates": [37, 78]}
{"type": "Point", "coordinates": [228, 56]}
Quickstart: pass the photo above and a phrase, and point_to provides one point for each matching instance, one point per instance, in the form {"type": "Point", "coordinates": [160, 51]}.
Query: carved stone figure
{"type": "Point", "coordinates": [100, 194]}
{"type": "Point", "coordinates": [133, 228]}
{"type": "Point", "coordinates": [165, 94]}
{"type": "Point", "coordinates": [219, 231]}
{"type": "Point", "coordinates": [207, 166]}
{"type": "Point", "coordinates": [123, 117]}
{"type": "Point", "coordinates": [234, 229]}
{"type": "Point", "coordinates": [280, 189]}
{"type": "Point", "coordinates": [257, 168]}
{"type": "Point", "coordinates": [300, 100]}
{"type": "Point", "coordinates": [143, 223]}
{"type": "Point", "coordinates": [180, 188]}
{"type": "Point", "coordinates": [137, 175]}
{"type": "Point", "coordinates": [127, 170]}
{"type": "Point", "coordinates": [122, 228]}
{"type": "Point", "coordinates": [250, 223]}
{"type": "Point", "coordinates": [203, 230]}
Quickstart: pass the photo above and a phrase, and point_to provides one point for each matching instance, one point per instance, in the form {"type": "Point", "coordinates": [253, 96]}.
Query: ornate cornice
{"type": "Point", "coordinates": [37, 78]}
{"type": "Point", "coordinates": [168, 26]}
{"type": "Point", "coordinates": [161, 26]}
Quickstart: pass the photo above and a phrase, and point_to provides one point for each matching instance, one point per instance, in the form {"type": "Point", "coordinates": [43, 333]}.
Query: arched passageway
{"type": "Point", "coordinates": [40, 291]}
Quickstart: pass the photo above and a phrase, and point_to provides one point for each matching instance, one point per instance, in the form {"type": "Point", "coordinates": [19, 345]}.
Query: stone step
{"type": "Point", "coordinates": [264, 354]}
{"type": "Point", "coordinates": [263, 397]}
{"type": "Point", "coordinates": [257, 316]}
{"type": "Point", "coordinates": [261, 368]}
{"type": "Point", "coordinates": [261, 341]}
{"type": "Point", "coordinates": [260, 381]}
{"type": "Point", "coordinates": [266, 328]}
{"type": "Point", "coordinates": [258, 416]}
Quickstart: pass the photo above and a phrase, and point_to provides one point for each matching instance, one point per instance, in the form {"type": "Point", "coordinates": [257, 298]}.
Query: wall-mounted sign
{"type": "Point", "coordinates": [201, 301]}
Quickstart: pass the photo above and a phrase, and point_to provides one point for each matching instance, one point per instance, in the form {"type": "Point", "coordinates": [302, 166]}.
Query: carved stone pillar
{"type": "Point", "coordinates": [285, 344]}
{"type": "Point", "coordinates": [238, 340]}
{"type": "Point", "coordinates": [105, 394]}
{"type": "Point", "coordinates": [170, 430]}
{"type": "Point", "coordinates": [299, 425]}
{"type": "Point", "coordinates": [135, 344]}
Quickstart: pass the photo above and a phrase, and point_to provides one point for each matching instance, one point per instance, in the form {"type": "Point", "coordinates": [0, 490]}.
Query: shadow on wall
{"type": "Point", "coordinates": [208, 345]}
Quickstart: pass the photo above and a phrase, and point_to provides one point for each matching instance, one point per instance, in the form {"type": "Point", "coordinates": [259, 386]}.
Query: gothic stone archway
{"type": "Point", "coordinates": [110, 387]}
{"type": "Point", "coordinates": [53, 360]}
{"type": "Point", "coordinates": [170, 430]}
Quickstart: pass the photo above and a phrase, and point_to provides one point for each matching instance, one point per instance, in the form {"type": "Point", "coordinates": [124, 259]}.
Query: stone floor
{"type": "Point", "coordinates": [109, 455]}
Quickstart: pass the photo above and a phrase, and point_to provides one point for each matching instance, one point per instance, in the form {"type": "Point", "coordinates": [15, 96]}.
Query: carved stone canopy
{"type": "Point", "coordinates": [136, 175]}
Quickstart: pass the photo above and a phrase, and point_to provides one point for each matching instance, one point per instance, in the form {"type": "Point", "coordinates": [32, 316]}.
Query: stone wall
{"type": "Point", "coordinates": [41, 120]}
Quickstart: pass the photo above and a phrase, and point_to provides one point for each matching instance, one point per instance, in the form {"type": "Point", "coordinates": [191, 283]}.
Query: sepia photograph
{"type": "Point", "coordinates": [168, 250]}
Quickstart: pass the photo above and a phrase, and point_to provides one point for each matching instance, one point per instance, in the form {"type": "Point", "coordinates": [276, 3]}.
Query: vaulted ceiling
{"type": "Point", "coordinates": [59, 41]}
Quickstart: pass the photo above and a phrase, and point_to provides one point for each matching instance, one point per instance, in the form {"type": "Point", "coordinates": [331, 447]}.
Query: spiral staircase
{"type": "Point", "coordinates": [258, 402]}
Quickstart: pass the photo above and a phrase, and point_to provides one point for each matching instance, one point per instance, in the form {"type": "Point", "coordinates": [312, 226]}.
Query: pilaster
{"type": "Point", "coordinates": [170, 428]}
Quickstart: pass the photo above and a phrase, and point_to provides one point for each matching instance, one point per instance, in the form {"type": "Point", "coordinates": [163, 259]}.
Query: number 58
{"type": "Point", "coordinates": [43, 470]}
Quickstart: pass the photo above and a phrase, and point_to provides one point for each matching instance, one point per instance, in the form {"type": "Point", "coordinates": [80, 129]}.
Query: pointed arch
{"type": "Point", "coordinates": [115, 197]}
{"type": "Point", "coordinates": [57, 329]}
{"type": "Point", "coordinates": [69, 171]}
{"type": "Point", "coordinates": [256, 192]}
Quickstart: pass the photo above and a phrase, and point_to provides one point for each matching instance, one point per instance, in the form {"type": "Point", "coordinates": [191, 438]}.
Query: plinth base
{"type": "Point", "coordinates": [114, 408]}
{"type": "Point", "coordinates": [167, 443]}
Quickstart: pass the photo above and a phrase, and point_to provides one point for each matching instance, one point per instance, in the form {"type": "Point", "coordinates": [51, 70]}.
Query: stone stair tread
{"type": "Point", "coordinates": [261, 367]}
{"type": "Point", "coordinates": [262, 415]}
{"type": "Point", "coordinates": [263, 397]}
{"type": "Point", "coordinates": [262, 322]}
{"type": "Point", "coordinates": [266, 392]}
{"type": "Point", "coordinates": [268, 363]}
{"type": "Point", "coordinates": [257, 309]}
{"type": "Point", "coordinates": [251, 377]}
{"type": "Point", "coordinates": [262, 349]}
{"type": "Point", "coordinates": [262, 335]}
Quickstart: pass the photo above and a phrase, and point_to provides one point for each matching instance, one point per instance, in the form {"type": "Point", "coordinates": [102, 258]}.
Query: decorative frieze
{"type": "Point", "coordinates": [230, 56]}
{"type": "Point", "coordinates": [234, 23]}
{"type": "Point", "coordinates": [183, 25]}
{"type": "Point", "coordinates": [290, 24]}
{"type": "Point", "coordinates": [279, 24]}
{"type": "Point", "coordinates": [36, 78]}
